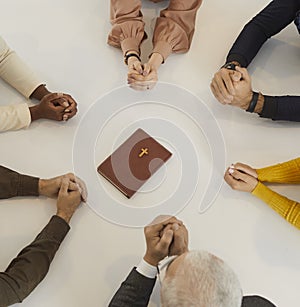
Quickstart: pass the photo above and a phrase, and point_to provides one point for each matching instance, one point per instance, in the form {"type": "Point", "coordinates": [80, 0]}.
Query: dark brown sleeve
{"type": "Point", "coordinates": [14, 184]}
{"type": "Point", "coordinates": [29, 268]}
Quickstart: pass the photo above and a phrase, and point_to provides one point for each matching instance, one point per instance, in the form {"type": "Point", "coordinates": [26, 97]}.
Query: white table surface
{"type": "Point", "coordinates": [65, 42]}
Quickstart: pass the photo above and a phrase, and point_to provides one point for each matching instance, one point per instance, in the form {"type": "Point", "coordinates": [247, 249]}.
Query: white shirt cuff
{"type": "Point", "coordinates": [146, 269]}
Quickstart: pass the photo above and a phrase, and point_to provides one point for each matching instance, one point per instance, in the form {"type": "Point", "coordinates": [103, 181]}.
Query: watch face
{"type": "Point", "coordinates": [297, 21]}
{"type": "Point", "coordinates": [230, 66]}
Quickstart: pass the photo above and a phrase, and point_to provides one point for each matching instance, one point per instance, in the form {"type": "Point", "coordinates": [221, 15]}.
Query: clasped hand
{"type": "Point", "coordinates": [165, 236]}
{"type": "Point", "coordinates": [143, 77]}
{"type": "Point", "coordinates": [232, 87]}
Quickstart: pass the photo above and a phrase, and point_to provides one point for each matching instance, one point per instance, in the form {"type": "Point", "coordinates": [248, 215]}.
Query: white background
{"type": "Point", "coordinates": [65, 42]}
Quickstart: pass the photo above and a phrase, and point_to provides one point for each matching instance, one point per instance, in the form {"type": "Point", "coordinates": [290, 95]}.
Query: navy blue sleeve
{"type": "Point", "coordinates": [270, 21]}
{"type": "Point", "coordinates": [282, 108]}
{"type": "Point", "coordinates": [135, 291]}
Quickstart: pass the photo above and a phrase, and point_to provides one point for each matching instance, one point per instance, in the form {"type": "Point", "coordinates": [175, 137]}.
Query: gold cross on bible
{"type": "Point", "coordinates": [144, 151]}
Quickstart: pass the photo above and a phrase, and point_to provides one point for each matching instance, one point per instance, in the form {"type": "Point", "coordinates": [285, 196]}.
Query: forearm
{"type": "Point", "coordinates": [127, 25]}
{"type": "Point", "coordinates": [27, 270]}
{"type": "Point", "coordinates": [175, 27]}
{"type": "Point", "coordinates": [14, 117]}
{"type": "Point", "coordinates": [135, 291]}
{"type": "Point", "coordinates": [15, 72]}
{"type": "Point", "coordinates": [288, 209]}
{"type": "Point", "coordinates": [287, 172]}
{"type": "Point", "coordinates": [270, 21]}
{"type": "Point", "coordinates": [14, 184]}
{"type": "Point", "coordinates": [281, 108]}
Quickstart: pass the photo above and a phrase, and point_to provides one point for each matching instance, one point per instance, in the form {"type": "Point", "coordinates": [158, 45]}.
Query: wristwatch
{"type": "Point", "coordinates": [129, 55]}
{"type": "Point", "coordinates": [231, 65]}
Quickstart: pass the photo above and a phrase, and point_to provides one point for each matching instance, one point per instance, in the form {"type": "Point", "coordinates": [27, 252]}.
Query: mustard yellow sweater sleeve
{"type": "Point", "coordinates": [287, 172]}
{"type": "Point", "coordinates": [288, 209]}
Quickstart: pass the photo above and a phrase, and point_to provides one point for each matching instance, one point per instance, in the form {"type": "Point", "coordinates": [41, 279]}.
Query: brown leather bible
{"type": "Point", "coordinates": [134, 162]}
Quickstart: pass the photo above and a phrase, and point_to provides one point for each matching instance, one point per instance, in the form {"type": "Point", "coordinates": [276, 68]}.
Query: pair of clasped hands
{"type": "Point", "coordinates": [142, 77]}
{"type": "Point", "coordinates": [165, 236]}
{"type": "Point", "coordinates": [53, 106]}
{"type": "Point", "coordinates": [233, 87]}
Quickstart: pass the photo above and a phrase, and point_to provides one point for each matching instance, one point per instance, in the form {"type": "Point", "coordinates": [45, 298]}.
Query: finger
{"type": "Point", "coordinates": [64, 186]}
{"type": "Point", "coordinates": [70, 108]}
{"type": "Point", "coordinates": [163, 220]}
{"type": "Point", "coordinates": [60, 102]}
{"type": "Point", "coordinates": [227, 80]}
{"type": "Point", "coordinates": [244, 73]}
{"type": "Point", "coordinates": [70, 114]}
{"type": "Point", "coordinates": [56, 109]}
{"type": "Point", "coordinates": [147, 69]}
{"type": "Point", "coordinates": [53, 96]}
{"type": "Point", "coordinates": [238, 175]}
{"type": "Point", "coordinates": [139, 86]}
{"type": "Point", "coordinates": [70, 99]}
{"type": "Point", "coordinates": [236, 76]}
{"type": "Point", "coordinates": [230, 180]}
{"type": "Point", "coordinates": [84, 191]}
{"type": "Point", "coordinates": [223, 90]}
{"type": "Point", "coordinates": [165, 240]}
{"type": "Point", "coordinates": [216, 92]}
{"type": "Point", "coordinates": [73, 186]}
{"type": "Point", "coordinates": [136, 77]}
{"type": "Point", "coordinates": [247, 169]}
{"type": "Point", "coordinates": [138, 67]}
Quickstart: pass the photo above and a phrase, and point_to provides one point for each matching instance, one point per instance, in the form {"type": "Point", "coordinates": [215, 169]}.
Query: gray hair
{"type": "Point", "coordinates": [202, 280]}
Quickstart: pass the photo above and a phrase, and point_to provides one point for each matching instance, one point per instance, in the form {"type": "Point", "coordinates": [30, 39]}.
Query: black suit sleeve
{"type": "Point", "coordinates": [256, 301]}
{"type": "Point", "coordinates": [135, 291]}
{"type": "Point", "coordinates": [14, 184]}
{"type": "Point", "coordinates": [270, 21]}
{"type": "Point", "coordinates": [29, 268]}
{"type": "Point", "coordinates": [282, 108]}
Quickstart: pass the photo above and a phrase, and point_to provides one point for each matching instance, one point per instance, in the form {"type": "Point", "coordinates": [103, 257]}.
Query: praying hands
{"type": "Point", "coordinates": [140, 76]}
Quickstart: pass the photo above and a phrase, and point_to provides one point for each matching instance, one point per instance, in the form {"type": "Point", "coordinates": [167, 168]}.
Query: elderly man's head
{"type": "Point", "coordinates": [200, 279]}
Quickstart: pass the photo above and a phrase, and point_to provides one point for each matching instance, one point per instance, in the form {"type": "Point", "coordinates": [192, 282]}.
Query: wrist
{"type": "Point", "coordinates": [151, 260]}
{"type": "Point", "coordinates": [42, 184]}
{"type": "Point", "coordinates": [40, 92]}
{"type": "Point", "coordinates": [35, 113]}
{"type": "Point", "coordinates": [156, 60]}
{"type": "Point", "coordinates": [247, 101]}
{"type": "Point", "coordinates": [65, 215]}
{"type": "Point", "coordinates": [260, 103]}
{"type": "Point", "coordinates": [132, 60]}
{"type": "Point", "coordinates": [231, 65]}
{"type": "Point", "coordinates": [131, 56]}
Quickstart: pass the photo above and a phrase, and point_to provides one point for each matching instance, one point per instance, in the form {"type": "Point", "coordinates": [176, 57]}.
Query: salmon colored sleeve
{"type": "Point", "coordinates": [287, 172]}
{"type": "Point", "coordinates": [175, 27]}
{"type": "Point", "coordinates": [127, 25]}
{"type": "Point", "coordinates": [288, 209]}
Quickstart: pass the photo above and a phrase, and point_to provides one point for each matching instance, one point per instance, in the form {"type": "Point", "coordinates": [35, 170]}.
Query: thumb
{"type": "Point", "coordinates": [138, 67]}
{"type": "Point", "coordinates": [236, 76]}
{"type": "Point", "coordinates": [147, 69]}
{"type": "Point", "coordinates": [244, 73]}
{"type": "Point", "coordinates": [64, 186]}
{"type": "Point", "coordinates": [166, 240]}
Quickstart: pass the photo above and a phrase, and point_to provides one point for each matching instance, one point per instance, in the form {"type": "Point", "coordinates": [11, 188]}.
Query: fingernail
{"type": "Point", "coordinates": [65, 104]}
{"type": "Point", "coordinates": [232, 165]}
{"type": "Point", "coordinates": [67, 111]}
{"type": "Point", "coordinates": [175, 226]}
{"type": "Point", "coordinates": [230, 171]}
